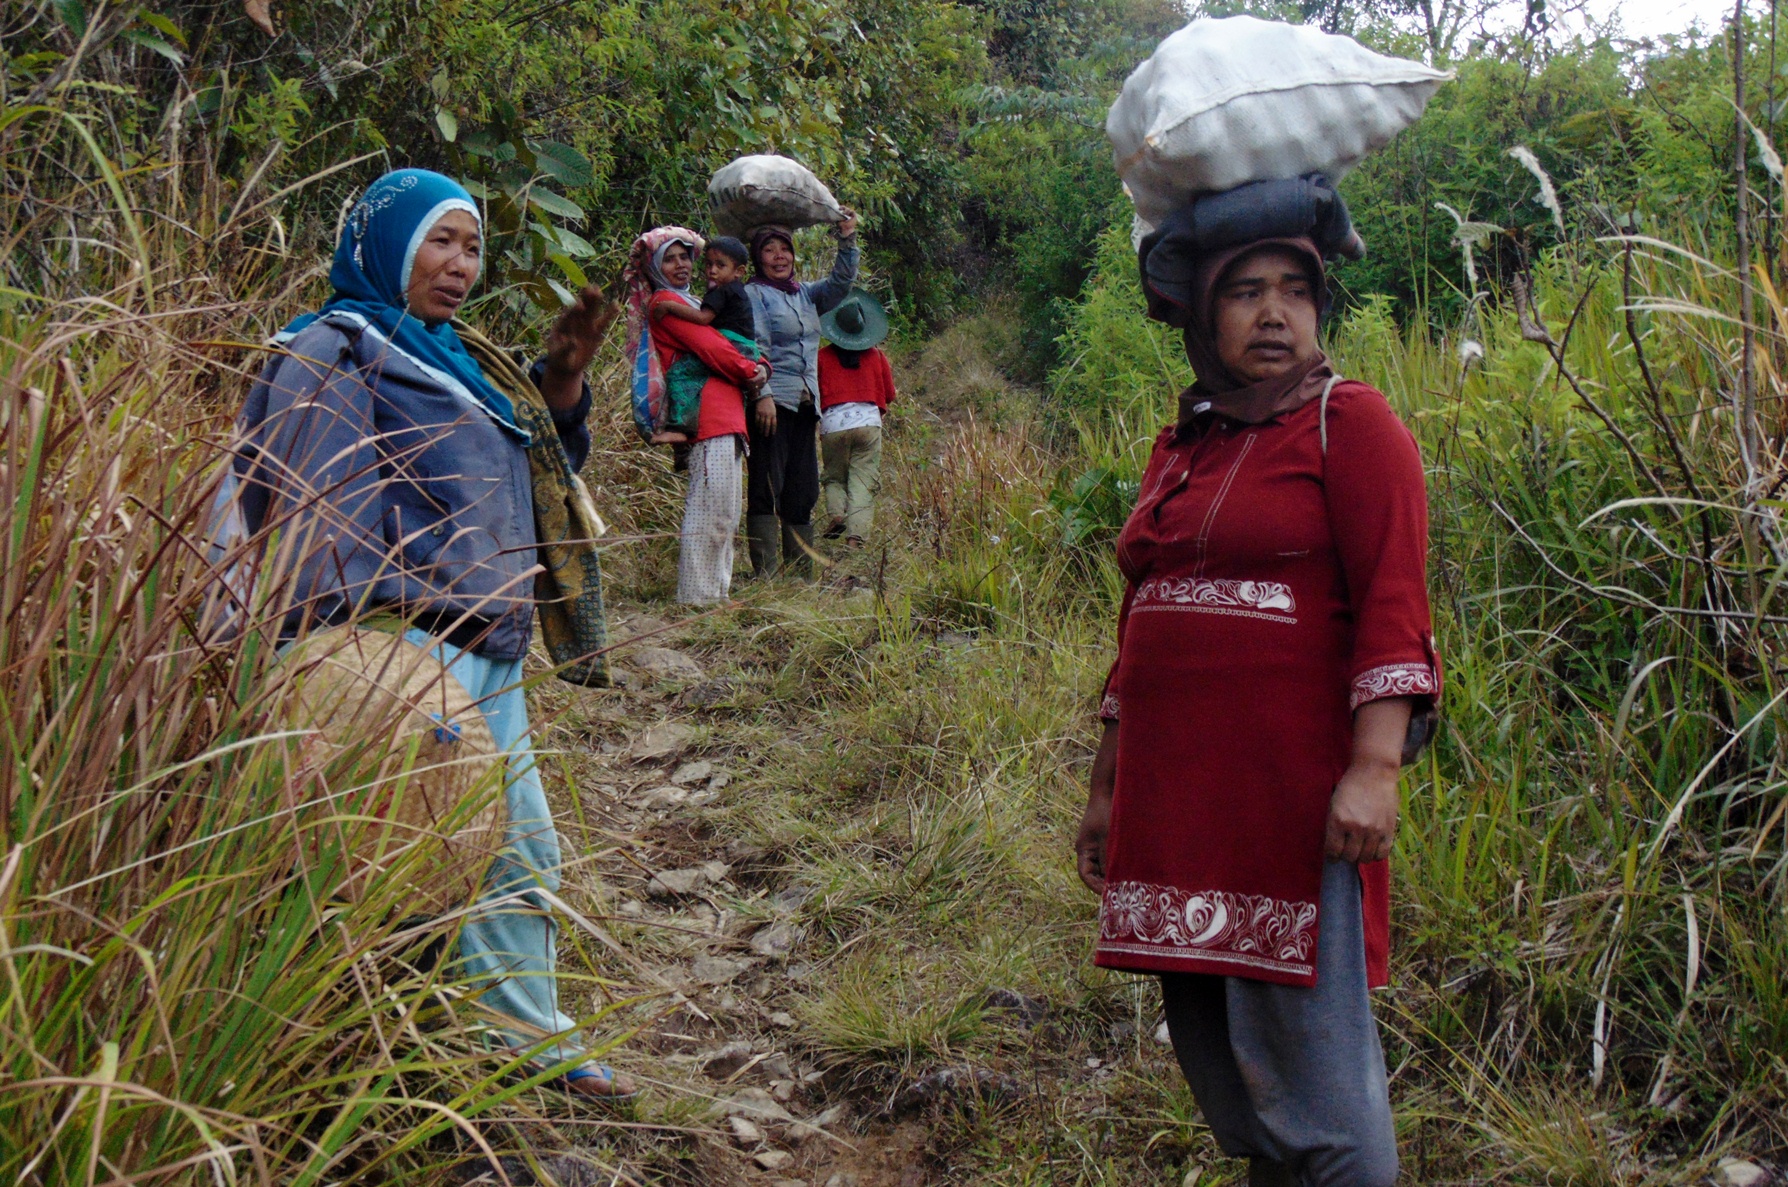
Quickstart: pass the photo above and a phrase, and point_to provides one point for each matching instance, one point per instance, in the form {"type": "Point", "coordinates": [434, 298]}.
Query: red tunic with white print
{"type": "Point", "coordinates": [1272, 590]}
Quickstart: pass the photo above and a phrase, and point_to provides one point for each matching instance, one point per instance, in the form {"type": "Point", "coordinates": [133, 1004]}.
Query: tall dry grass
{"type": "Point", "coordinates": [187, 997]}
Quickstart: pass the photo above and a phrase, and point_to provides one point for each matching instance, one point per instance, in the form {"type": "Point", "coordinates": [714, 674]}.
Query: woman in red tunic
{"type": "Point", "coordinates": [1273, 639]}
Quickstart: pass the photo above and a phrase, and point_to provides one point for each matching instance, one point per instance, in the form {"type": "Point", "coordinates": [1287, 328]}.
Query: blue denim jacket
{"type": "Point", "coordinates": [788, 330]}
{"type": "Point", "coordinates": [390, 491]}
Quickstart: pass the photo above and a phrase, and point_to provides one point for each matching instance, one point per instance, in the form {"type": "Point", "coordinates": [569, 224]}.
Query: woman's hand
{"type": "Point", "coordinates": [572, 343]}
{"type": "Point", "coordinates": [765, 413]}
{"type": "Point", "coordinates": [1095, 822]}
{"type": "Point", "coordinates": [845, 227]}
{"type": "Point", "coordinates": [1363, 810]}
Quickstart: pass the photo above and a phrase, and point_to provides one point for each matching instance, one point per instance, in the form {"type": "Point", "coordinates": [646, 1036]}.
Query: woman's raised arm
{"type": "Point", "coordinates": [829, 292]}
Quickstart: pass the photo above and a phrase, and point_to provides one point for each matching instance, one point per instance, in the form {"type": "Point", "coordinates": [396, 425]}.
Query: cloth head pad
{"type": "Point", "coordinates": [1294, 208]}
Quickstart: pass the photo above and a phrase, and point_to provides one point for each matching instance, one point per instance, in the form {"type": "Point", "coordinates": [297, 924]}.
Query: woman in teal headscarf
{"type": "Point", "coordinates": [403, 478]}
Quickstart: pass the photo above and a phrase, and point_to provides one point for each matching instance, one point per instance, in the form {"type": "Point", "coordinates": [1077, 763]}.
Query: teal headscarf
{"type": "Point", "coordinates": [371, 276]}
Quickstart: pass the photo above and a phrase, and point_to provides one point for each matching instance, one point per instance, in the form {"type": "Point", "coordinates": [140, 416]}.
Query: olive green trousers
{"type": "Point", "coordinates": [851, 476]}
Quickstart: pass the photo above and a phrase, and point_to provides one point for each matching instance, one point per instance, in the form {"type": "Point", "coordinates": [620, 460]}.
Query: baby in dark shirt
{"type": "Point", "coordinates": [726, 308]}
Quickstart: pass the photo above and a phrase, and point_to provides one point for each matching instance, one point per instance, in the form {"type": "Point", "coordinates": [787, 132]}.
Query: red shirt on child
{"type": "Point", "coordinates": [871, 382]}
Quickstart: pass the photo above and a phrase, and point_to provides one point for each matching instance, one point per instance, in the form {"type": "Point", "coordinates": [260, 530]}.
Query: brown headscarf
{"type": "Point", "coordinates": [762, 237]}
{"type": "Point", "coordinates": [1218, 392]}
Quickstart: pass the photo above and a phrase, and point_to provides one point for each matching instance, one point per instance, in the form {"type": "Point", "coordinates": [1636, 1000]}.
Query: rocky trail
{"type": "Point", "coordinates": [708, 936]}
{"type": "Point", "coordinates": [814, 844]}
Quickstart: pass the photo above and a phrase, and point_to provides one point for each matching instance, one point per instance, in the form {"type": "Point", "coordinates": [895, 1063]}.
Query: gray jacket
{"type": "Point", "coordinates": [788, 330]}
{"type": "Point", "coordinates": [391, 490]}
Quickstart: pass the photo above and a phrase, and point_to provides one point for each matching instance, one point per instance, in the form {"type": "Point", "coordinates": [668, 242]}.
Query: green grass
{"type": "Point", "coordinates": [1599, 817]}
{"type": "Point", "coordinates": [1591, 914]}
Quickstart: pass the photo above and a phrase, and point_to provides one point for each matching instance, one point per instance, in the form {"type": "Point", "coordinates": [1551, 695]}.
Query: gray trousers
{"type": "Point", "coordinates": [1291, 1075]}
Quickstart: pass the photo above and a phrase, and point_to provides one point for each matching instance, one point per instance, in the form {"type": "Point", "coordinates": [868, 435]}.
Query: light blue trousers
{"type": "Point", "coordinates": [509, 947]}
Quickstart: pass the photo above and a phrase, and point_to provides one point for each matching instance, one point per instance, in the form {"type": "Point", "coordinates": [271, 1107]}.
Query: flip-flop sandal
{"type": "Point", "coordinates": [591, 1071]}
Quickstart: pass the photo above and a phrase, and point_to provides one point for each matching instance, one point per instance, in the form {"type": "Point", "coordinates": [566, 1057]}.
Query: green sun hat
{"type": "Point", "coordinates": [856, 323]}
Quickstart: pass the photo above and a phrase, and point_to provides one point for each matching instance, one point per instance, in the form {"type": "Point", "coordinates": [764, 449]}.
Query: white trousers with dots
{"type": "Point", "coordinates": [710, 521]}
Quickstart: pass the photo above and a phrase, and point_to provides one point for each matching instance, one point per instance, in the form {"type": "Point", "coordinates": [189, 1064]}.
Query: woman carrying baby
{"type": "Point", "coordinates": [658, 277]}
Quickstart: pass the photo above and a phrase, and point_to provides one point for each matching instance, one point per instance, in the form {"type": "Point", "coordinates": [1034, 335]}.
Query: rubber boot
{"type": "Point", "coordinates": [762, 545]}
{"type": "Point", "coordinates": [797, 550]}
{"type": "Point", "coordinates": [1264, 1172]}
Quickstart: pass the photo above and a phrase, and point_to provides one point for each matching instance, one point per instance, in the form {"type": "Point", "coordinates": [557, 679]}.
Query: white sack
{"type": "Point", "coordinates": [766, 188]}
{"type": "Point", "coordinates": [1228, 101]}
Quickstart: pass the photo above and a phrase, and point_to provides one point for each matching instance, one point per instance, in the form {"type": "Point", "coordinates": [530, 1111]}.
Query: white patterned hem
{"type": "Point", "coordinates": [1249, 930]}
{"type": "Point", "coordinates": [1269, 600]}
{"type": "Point", "coordinates": [1393, 680]}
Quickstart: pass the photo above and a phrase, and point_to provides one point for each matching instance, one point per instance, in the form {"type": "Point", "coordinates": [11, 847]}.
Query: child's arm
{"type": "Point", "coordinates": [701, 317]}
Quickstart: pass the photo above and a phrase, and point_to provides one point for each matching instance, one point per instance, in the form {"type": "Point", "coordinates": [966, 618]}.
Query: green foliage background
{"type": "Point", "coordinates": [1606, 796]}
{"type": "Point", "coordinates": [970, 135]}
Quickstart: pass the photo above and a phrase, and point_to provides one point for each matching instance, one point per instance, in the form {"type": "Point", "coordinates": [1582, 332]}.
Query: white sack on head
{"type": "Point", "coordinates": [1228, 101]}
{"type": "Point", "coordinates": [767, 188]}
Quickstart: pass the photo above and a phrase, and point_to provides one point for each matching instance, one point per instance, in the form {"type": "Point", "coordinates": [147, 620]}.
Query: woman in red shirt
{"type": "Point", "coordinates": [664, 265]}
{"type": "Point", "coordinates": [1273, 639]}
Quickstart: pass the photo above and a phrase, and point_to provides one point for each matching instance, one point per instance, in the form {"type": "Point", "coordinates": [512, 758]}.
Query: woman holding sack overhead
{"type": "Point", "coordinates": [783, 467]}
{"type": "Point", "coordinates": [405, 469]}
{"type": "Point", "coordinates": [1272, 644]}
{"type": "Point", "coordinates": [658, 273]}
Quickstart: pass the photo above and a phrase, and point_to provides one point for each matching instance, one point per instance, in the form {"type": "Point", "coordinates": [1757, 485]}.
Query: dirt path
{"type": "Point", "coordinates": [818, 842]}
{"type": "Point", "coordinates": [703, 927]}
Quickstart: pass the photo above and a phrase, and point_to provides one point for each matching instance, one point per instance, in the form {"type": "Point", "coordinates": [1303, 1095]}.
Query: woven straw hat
{"type": "Point", "coordinates": [401, 765]}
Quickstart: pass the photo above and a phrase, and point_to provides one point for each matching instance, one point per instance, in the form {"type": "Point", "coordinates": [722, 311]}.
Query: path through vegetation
{"type": "Point", "coordinates": [828, 831]}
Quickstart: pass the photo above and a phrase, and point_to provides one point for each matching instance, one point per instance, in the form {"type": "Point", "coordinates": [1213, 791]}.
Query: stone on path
{"type": "Point", "coordinates": [773, 1160]}
{"type": "Point", "coordinates": [634, 625]}
{"type": "Point", "coordinates": [709, 693]}
{"type": "Point", "coordinates": [792, 898]}
{"type": "Point", "coordinates": [667, 882]}
{"type": "Point", "coordinates": [662, 663]}
{"type": "Point", "coordinates": [745, 1132]}
{"type": "Point", "coordinates": [964, 1084]}
{"type": "Point", "coordinates": [692, 772]}
{"type": "Point", "coordinates": [663, 740]}
{"type": "Point", "coordinates": [1740, 1172]}
{"type": "Point", "coordinates": [777, 940]}
{"type": "Point", "coordinates": [688, 880]}
{"type": "Point", "coordinates": [718, 1065]}
{"type": "Point", "coordinates": [1026, 1010]}
{"type": "Point", "coordinates": [717, 970]}
{"type": "Point", "coordinates": [663, 797]}
{"type": "Point", "coordinates": [830, 1117]}
{"type": "Point", "coordinates": [782, 1020]}
{"type": "Point", "coordinates": [754, 1104]}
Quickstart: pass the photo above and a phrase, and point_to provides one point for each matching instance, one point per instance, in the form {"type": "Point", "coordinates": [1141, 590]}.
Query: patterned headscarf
{"type": "Point", "coordinates": [371, 276]}
{"type": "Point", "coordinates": [644, 276]}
